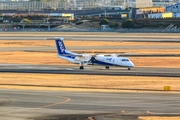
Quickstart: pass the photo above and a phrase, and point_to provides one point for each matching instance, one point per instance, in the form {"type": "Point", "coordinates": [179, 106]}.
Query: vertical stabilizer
{"type": "Point", "coordinates": [60, 45]}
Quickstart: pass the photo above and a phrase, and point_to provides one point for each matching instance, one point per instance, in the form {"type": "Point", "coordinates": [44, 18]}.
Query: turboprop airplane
{"type": "Point", "coordinates": [82, 59]}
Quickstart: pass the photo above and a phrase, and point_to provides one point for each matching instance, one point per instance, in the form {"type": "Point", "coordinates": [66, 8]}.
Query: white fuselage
{"type": "Point", "coordinates": [114, 61]}
{"type": "Point", "coordinates": [99, 60]}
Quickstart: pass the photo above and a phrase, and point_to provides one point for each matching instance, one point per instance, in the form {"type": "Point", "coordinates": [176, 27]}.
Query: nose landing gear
{"type": "Point", "coordinates": [129, 68]}
{"type": "Point", "coordinates": [81, 67]}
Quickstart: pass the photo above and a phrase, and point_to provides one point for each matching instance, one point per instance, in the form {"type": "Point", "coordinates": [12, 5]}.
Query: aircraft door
{"type": "Point", "coordinates": [113, 60]}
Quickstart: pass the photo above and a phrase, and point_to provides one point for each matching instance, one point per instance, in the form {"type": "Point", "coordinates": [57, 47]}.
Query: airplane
{"type": "Point", "coordinates": [83, 59]}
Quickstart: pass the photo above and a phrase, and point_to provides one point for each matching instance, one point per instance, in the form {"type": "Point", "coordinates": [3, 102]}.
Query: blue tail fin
{"type": "Point", "coordinates": [60, 45]}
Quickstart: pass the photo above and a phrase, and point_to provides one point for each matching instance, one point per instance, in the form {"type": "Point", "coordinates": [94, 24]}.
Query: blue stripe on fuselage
{"type": "Point", "coordinates": [104, 63]}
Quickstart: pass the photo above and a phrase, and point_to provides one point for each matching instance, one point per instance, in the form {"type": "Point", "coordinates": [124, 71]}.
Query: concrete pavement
{"type": "Point", "coordinates": [38, 104]}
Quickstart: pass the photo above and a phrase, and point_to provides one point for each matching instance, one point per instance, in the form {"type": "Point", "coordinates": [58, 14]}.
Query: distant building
{"type": "Point", "coordinates": [12, 0]}
{"type": "Point", "coordinates": [70, 16]}
{"type": "Point", "coordinates": [165, 3]}
{"type": "Point", "coordinates": [143, 12]}
{"type": "Point", "coordinates": [174, 9]}
{"type": "Point", "coordinates": [31, 5]}
{"type": "Point", "coordinates": [134, 3]}
{"type": "Point", "coordinates": [138, 3]}
{"type": "Point", "coordinates": [160, 15]}
{"type": "Point", "coordinates": [74, 4]}
{"type": "Point", "coordinates": [170, 11]}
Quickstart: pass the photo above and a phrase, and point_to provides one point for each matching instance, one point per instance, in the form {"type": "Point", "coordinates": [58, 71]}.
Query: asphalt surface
{"type": "Point", "coordinates": [37, 104]}
{"type": "Point", "coordinates": [90, 70]}
{"type": "Point", "coordinates": [90, 48]}
{"type": "Point", "coordinates": [92, 38]}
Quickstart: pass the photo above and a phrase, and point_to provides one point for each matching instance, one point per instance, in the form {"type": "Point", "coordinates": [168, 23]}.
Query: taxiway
{"type": "Point", "coordinates": [89, 70]}
{"type": "Point", "coordinates": [93, 38]}
{"type": "Point", "coordinates": [43, 104]}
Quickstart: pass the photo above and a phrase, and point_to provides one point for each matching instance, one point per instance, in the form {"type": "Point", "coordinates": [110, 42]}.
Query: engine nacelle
{"type": "Point", "coordinates": [100, 58]}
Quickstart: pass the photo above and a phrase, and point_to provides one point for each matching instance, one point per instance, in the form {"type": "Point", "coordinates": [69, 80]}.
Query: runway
{"type": "Point", "coordinates": [90, 70]}
{"type": "Point", "coordinates": [42, 104]}
{"type": "Point", "coordinates": [90, 48]}
{"type": "Point", "coordinates": [93, 38]}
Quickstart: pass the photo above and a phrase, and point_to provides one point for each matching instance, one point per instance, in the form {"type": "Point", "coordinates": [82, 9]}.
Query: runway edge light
{"type": "Point", "coordinates": [167, 88]}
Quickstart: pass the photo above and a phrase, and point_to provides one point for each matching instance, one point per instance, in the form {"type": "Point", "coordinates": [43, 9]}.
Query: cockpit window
{"type": "Point", "coordinates": [125, 60]}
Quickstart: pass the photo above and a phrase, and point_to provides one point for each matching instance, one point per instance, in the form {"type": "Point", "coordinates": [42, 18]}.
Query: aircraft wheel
{"type": "Point", "coordinates": [107, 67]}
{"type": "Point", "coordinates": [129, 68]}
{"type": "Point", "coordinates": [81, 67]}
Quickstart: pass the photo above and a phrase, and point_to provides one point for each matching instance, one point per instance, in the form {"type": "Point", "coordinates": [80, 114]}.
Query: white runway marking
{"type": "Point", "coordinates": [43, 68]}
{"type": "Point", "coordinates": [69, 69]}
{"type": "Point", "coordinates": [3, 64]}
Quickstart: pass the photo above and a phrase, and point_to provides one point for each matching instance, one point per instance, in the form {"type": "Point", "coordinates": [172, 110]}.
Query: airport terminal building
{"type": "Point", "coordinates": [174, 9]}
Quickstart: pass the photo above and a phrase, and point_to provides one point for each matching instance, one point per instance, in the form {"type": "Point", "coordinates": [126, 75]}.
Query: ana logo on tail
{"type": "Point", "coordinates": [61, 46]}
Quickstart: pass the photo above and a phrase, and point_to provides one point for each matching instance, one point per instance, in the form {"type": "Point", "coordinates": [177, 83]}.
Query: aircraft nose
{"type": "Point", "coordinates": [131, 64]}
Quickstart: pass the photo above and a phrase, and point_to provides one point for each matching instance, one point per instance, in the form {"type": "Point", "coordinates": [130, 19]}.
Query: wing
{"type": "Point", "coordinates": [73, 55]}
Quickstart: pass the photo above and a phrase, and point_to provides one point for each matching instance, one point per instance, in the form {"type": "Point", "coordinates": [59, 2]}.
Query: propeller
{"type": "Point", "coordinates": [93, 59]}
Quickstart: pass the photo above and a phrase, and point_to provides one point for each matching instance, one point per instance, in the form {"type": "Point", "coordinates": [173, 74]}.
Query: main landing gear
{"type": "Point", "coordinates": [129, 68]}
{"type": "Point", "coordinates": [107, 67]}
{"type": "Point", "coordinates": [81, 67]}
